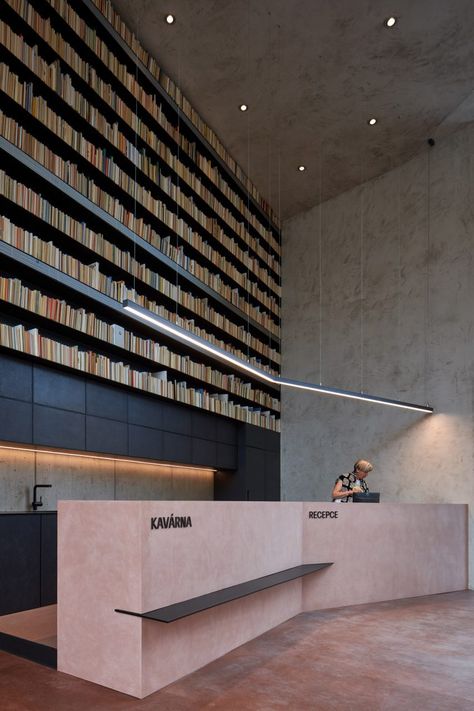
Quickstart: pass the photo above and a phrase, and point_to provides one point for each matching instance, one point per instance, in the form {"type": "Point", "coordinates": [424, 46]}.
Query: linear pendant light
{"type": "Point", "coordinates": [201, 344]}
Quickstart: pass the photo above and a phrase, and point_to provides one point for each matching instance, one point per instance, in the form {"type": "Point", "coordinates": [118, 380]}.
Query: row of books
{"type": "Point", "coordinates": [31, 341]}
{"type": "Point", "coordinates": [70, 174]}
{"type": "Point", "coordinates": [61, 83]}
{"type": "Point", "coordinates": [22, 93]}
{"type": "Point", "coordinates": [13, 291]}
{"type": "Point", "coordinates": [27, 198]}
{"type": "Point", "coordinates": [44, 29]}
{"type": "Point", "coordinates": [91, 275]}
{"type": "Point", "coordinates": [89, 36]}
{"type": "Point", "coordinates": [106, 7]}
{"type": "Point", "coordinates": [31, 201]}
{"type": "Point", "coordinates": [128, 116]}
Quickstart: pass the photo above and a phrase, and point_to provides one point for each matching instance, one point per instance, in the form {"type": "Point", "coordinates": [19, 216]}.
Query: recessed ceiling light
{"type": "Point", "coordinates": [372, 121]}
{"type": "Point", "coordinates": [169, 19]}
{"type": "Point", "coordinates": [243, 107]}
{"type": "Point", "coordinates": [301, 168]}
{"type": "Point", "coordinates": [390, 21]}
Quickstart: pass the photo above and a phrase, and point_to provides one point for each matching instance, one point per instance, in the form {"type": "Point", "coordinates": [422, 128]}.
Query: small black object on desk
{"type": "Point", "coordinates": [369, 497]}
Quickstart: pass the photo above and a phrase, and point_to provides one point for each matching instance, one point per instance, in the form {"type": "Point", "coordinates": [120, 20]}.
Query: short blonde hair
{"type": "Point", "coordinates": [363, 465]}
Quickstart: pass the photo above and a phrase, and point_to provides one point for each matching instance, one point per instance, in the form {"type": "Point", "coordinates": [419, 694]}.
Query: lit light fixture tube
{"type": "Point", "coordinates": [355, 395]}
{"type": "Point", "coordinates": [201, 344]}
{"type": "Point", "coordinates": [195, 341]}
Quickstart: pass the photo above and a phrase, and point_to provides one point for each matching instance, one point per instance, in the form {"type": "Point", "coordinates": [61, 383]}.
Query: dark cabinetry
{"type": "Point", "coordinates": [27, 561]}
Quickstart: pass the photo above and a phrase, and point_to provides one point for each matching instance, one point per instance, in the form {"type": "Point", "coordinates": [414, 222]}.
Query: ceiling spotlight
{"type": "Point", "coordinates": [301, 168]}
{"type": "Point", "coordinates": [169, 19]}
{"type": "Point", "coordinates": [390, 22]}
{"type": "Point", "coordinates": [372, 121]}
{"type": "Point", "coordinates": [243, 107]}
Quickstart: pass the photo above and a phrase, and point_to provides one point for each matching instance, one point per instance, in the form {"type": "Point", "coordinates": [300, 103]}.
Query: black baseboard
{"type": "Point", "coordinates": [34, 651]}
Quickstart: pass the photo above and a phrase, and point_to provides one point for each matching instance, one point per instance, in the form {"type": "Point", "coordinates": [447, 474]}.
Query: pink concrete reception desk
{"type": "Point", "coordinates": [140, 556]}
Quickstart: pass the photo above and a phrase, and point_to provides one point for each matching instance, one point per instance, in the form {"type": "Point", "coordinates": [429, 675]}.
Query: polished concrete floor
{"type": "Point", "coordinates": [408, 655]}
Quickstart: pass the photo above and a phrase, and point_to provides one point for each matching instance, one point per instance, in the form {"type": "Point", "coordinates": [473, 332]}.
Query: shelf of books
{"type": "Point", "coordinates": [113, 188]}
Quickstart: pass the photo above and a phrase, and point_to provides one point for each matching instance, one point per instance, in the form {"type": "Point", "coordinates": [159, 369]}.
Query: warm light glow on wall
{"type": "Point", "coordinates": [104, 457]}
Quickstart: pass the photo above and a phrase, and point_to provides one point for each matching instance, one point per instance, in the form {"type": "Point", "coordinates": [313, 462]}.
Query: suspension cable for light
{"type": "Point", "coordinates": [201, 344]}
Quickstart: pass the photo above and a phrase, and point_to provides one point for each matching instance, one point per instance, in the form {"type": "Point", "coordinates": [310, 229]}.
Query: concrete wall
{"type": "Point", "coordinates": [378, 288]}
{"type": "Point", "coordinates": [89, 478]}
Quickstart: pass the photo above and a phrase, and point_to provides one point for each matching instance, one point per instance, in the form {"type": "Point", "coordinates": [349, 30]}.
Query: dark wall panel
{"type": "Point", "coordinates": [176, 447]}
{"type": "Point", "coordinates": [226, 456]}
{"type": "Point", "coordinates": [16, 378]}
{"type": "Point", "coordinates": [176, 418]}
{"type": "Point", "coordinates": [59, 428]}
{"type": "Point", "coordinates": [145, 411]}
{"type": "Point", "coordinates": [145, 442]}
{"type": "Point", "coordinates": [228, 486]}
{"type": "Point", "coordinates": [106, 435]}
{"type": "Point", "coordinates": [272, 476]}
{"type": "Point", "coordinates": [204, 452]}
{"type": "Point", "coordinates": [203, 426]}
{"type": "Point", "coordinates": [104, 401]}
{"type": "Point", "coordinates": [61, 390]}
{"type": "Point", "coordinates": [255, 474]}
{"type": "Point", "coordinates": [263, 439]}
{"type": "Point", "coordinates": [16, 420]}
{"type": "Point", "coordinates": [226, 431]}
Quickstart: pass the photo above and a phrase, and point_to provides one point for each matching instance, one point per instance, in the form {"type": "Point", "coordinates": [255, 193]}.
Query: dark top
{"type": "Point", "coordinates": [348, 483]}
{"type": "Point", "coordinates": [178, 610]}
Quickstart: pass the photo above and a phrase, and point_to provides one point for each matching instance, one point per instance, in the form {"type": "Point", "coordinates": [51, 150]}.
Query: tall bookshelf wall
{"type": "Point", "coordinates": [112, 188]}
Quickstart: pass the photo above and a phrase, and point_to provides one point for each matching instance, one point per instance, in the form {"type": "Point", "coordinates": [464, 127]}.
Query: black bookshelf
{"type": "Point", "coordinates": [105, 307]}
{"type": "Point", "coordinates": [108, 221]}
{"type": "Point", "coordinates": [44, 7]}
{"type": "Point", "coordinates": [244, 223]}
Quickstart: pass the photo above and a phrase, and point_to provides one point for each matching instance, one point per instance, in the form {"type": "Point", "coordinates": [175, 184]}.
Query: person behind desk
{"type": "Point", "coordinates": [353, 483]}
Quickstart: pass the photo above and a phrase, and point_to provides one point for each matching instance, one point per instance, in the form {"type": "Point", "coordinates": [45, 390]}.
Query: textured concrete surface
{"type": "Point", "coordinates": [312, 73]}
{"type": "Point", "coordinates": [392, 656]}
{"type": "Point", "coordinates": [90, 478]}
{"type": "Point", "coordinates": [73, 478]}
{"type": "Point", "coordinates": [378, 293]}
{"type": "Point", "coordinates": [17, 478]}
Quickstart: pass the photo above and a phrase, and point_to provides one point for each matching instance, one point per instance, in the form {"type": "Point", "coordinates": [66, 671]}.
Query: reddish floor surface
{"type": "Point", "coordinates": [415, 654]}
{"type": "Point", "coordinates": [37, 625]}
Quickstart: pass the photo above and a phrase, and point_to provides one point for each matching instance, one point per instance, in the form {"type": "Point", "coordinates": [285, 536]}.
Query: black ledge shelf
{"type": "Point", "coordinates": [109, 221]}
{"type": "Point", "coordinates": [171, 613]}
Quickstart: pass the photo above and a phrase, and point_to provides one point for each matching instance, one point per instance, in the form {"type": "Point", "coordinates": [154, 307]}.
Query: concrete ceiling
{"type": "Point", "coordinates": [312, 73]}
